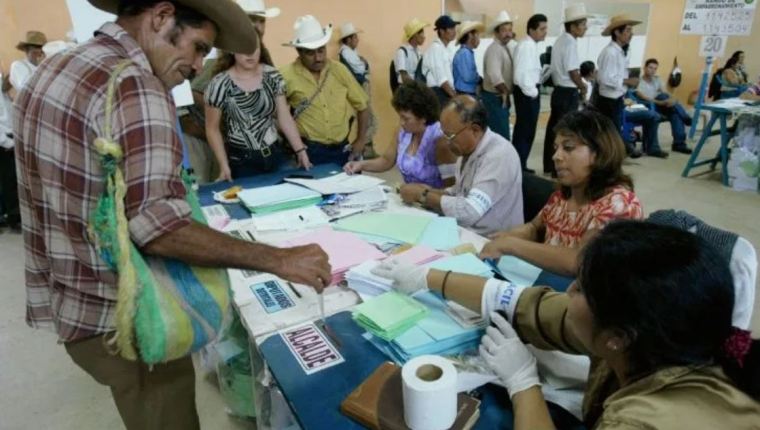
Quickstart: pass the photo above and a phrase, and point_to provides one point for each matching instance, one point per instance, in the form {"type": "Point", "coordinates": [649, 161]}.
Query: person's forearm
{"type": "Point", "coordinates": [558, 259]}
{"type": "Point", "coordinates": [200, 245]}
{"type": "Point", "coordinates": [363, 125]}
{"type": "Point", "coordinates": [525, 231]}
{"type": "Point", "coordinates": [530, 410]}
{"type": "Point", "coordinates": [379, 164]}
{"type": "Point", "coordinates": [467, 290]}
{"type": "Point", "coordinates": [575, 76]}
{"type": "Point", "coordinates": [216, 143]}
{"type": "Point", "coordinates": [290, 130]}
{"type": "Point", "coordinates": [630, 82]}
{"type": "Point", "coordinates": [433, 200]}
{"type": "Point", "coordinates": [502, 89]}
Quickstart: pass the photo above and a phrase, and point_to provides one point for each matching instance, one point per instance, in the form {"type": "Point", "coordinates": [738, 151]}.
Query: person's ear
{"type": "Point", "coordinates": [618, 341]}
{"type": "Point", "coordinates": [162, 14]}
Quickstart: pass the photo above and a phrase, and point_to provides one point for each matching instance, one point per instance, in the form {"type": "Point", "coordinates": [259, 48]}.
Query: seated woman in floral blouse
{"type": "Point", "coordinates": [593, 190]}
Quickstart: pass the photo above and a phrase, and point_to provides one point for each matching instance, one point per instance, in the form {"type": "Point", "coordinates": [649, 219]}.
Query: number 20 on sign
{"type": "Point", "coordinates": [713, 46]}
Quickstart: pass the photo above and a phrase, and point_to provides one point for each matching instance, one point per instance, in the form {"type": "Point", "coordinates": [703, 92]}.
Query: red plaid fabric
{"type": "Point", "coordinates": [58, 115]}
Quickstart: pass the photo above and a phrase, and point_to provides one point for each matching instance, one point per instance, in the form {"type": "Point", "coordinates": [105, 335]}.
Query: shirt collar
{"type": "Point", "coordinates": [617, 47]}
{"type": "Point", "coordinates": [133, 51]}
{"type": "Point", "coordinates": [483, 144]}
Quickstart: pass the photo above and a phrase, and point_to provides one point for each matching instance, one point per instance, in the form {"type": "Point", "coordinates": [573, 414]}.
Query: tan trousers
{"type": "Point", "coordinates": [161, 398]}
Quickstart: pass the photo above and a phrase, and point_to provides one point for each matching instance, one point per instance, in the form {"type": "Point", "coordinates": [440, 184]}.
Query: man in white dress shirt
{"type": "Point", "coordinates": [569, 88]}
{"type": "Point", "coordinates": [409, 55]}
{"type": "Point", "coordinates": [359, 67]}
{"type": "Point", "coordinates": [498, 64]}
{"type": "Point", "coordinates": [22, 70]}
{"type": "Point", "coordinates": [437, 62]}
{"type": "Point", "coordinates": [613, 78]}
{"type": "Point", "coordinates": [527, 78]}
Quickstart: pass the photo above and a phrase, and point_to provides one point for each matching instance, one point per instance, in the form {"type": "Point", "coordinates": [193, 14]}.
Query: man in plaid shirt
{"type": "Point", "coordinates": [58, 116]}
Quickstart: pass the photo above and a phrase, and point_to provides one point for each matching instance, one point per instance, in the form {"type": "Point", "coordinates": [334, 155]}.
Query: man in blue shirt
{"type": "Point", "coordinates": [466, 77]}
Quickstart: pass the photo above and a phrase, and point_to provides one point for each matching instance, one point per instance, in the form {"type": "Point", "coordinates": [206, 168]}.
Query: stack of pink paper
{"type": "Point", "coordinates": [344, 250]}
{"type": "Point", "coordinates": [362, 280]}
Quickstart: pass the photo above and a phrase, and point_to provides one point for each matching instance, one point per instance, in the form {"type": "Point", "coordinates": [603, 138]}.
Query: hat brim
{"type": "Point", "coordinates": [416, 30]}
{"type": "Point", "coordinates": [576, 18]}
{"type": "Point", "coordinates": [21, 46]}
{"type": "Point", "coordinates": [314, 44]}
{"type": "Point", "coordinates": [235, 32]}
{"type": "Point", "coordinates": [343, 36]}
{"type": "Point", "coordinates": [272, 12]}
{"type": "Point", "coordinates": [480, 28]}
{"type": "Point", "coordinates": [454, 24]}
{"type": "Point", "coordinates": [608, 31]}
{"type": "Point", "coordinates": [495, 25]}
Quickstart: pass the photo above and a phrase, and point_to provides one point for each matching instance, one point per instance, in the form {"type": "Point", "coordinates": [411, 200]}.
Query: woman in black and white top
{"type": "Point", "coordinates": [245, 105]}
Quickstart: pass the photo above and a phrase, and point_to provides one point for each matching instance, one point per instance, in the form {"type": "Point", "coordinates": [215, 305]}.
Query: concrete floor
{"type": "Point", "coordinates": [43, 389]}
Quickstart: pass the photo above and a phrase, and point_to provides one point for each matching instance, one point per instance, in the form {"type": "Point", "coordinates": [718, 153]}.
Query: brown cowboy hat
{"type": "Point", "coordinates": [33, 38]}
{"type": "Point", "coordinates": [618, 21]}
{"type": "Point", "coordinates": [236, 32]}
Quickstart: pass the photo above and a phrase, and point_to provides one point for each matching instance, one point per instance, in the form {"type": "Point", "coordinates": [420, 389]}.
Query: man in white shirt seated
{"type": "Point", "coordinates": [437, 62]}
{"type": "Point", "coordinates": [569, 88]}
{"type": "Point", "coordinates": [359, 67]}
{"type": "Point", "coordinates": [650, 90]}
{"type": "Point", "coordinates": [408, 61]}
{"type": "Point", "coordinates": [613, 78]}
{"type": "Point", "coordinates": [527, 78]}
{"type": "Point", "coordinates": [487, 196]}
{"type": "Point", "coordinates": [22, 70]}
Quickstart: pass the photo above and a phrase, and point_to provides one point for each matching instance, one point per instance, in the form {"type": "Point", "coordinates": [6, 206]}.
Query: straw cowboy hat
{"type": "Point", "coordinates": [575, 12]}
{"type": "Point", "coordinates": [348, 29]}
{"type": "Point", "coordinates": [619, 21]}
{"type": "Point", "coordinates": [469, 26]}
{"type": "Point", "coordinates": [258, 8]}
{"type": "Point", "coordinates": [413, 27]}
{"type": "Point", "coordinates": [33, 38]}
{"type": "Point", "coordinates": [502, 18]}
{"type": "Point", "coordinates": [236, 32]}
{"type": "Point", "coordinates": [309, 33]}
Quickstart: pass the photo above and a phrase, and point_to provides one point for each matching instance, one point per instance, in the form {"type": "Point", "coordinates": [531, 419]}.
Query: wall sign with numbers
{"type": "Point", "coordinates": [719, 17]}
{"type": "Point", "coordinates": [713, 46]}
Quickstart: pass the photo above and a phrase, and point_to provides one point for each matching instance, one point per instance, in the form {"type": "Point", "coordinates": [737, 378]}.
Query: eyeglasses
{"type": "Point", "coordinates": [450, 137]}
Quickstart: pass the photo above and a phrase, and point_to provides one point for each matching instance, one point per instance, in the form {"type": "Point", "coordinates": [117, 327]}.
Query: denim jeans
{"type": "Point", "coordinates": [564, 100]}
{"type": "Point", "coordinates": [256, 163]}
{"type": "Point", "coordinates": [650, 121]}
{"type": "Point", "coordinates": [526, 110]}
{"type": "Point", "coordinates": [677, 116]}
{"type": "Point", "coordinates": [498, 115]}
{"type": "Point", "coordinates": [319, 153]}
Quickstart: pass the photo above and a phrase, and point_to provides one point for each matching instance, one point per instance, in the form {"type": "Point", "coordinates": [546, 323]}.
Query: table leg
{"type": "Point", "coordinates": [705, 135]}
{"type": "Point", "coordinates": [724, 140]}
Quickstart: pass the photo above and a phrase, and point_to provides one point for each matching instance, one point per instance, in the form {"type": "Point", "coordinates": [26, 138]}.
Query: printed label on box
{"type": "Point", "coordinates": [272, 297]}
{"type": "Point", "coordinates": [311, 348]}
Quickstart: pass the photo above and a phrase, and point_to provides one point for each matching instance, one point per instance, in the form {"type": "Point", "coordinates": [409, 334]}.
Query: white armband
{"type": "Point", "coordinates": [479, 201]}
{"type": "Point", "coordinates": [502, 295]}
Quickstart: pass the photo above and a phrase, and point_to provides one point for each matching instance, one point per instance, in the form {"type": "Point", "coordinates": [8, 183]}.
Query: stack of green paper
{"type": "Point", "coordinates": [389, 315]}
{"type": "Point", "coordinates": [278, 198]}
{"type": "Point", "coordinates": [396, 226]}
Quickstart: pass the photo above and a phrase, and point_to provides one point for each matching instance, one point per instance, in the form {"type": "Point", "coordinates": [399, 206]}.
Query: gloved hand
{"type": "Point", "coordinates": [508, 357]}
{"type": "Point", "coordinates": [407, 278]}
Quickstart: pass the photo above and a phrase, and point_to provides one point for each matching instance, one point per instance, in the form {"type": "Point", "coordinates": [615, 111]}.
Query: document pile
{"type": "Point", "coordinates": [369, 199]}
{"type": "Point", "coordinates": [395, 226]}
{"type": "Point", "coordinates": [291, 219]}
{"type": "Point", "coordinates": [344, 250]}
{"type": "Point", "coordinates": [389, 315]}
{"type": "Point", "coordinates": [341, 183]}
{"type": "Point", "coordinates": [463, 263]}
{"type": "Point", "coordinates": [363, 281]}
{"type": "Point", "coordinates": [278, 198]}
{"type": "Point", "coordinates": [442, 234]}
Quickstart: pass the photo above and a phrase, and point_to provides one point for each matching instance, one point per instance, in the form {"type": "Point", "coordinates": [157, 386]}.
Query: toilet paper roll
{"type": "Point", "coordinates": [429, 393]}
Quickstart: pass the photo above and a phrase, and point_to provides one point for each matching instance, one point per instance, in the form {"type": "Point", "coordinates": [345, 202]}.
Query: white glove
{"type": "Point", "coordinates": [508, 357]}
{"type": "Point", "coordinates": [407, 278]}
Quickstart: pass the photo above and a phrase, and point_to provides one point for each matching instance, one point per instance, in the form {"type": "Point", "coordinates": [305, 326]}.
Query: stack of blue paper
{"type": "Point", "coordinates": [437, 334]}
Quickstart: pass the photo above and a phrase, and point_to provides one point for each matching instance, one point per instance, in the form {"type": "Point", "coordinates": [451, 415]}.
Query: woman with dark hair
{"type": "Point", "coordinates": [419, 150]}
{"type": "Point", "coordinates": [245, 104]}
{"type": "Point", "coordinates": [593, 190]}
{"type": "Point", "coordinates": [733, 75]}
{"type": "Point", "coordinates": [652, 307]}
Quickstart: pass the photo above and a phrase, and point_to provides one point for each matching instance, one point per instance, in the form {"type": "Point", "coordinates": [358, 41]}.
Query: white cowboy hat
{"type": "Point", "coordinates": [348, 29]}
{"type": "Point", "coordinates": [258, 8]}
{"type": "Point", "coordinates": [619, 21]}
{"type": "Point", "coordinates": [309, 33]}
{"type": "Point", "coordinates": [413, 27]}
{"type": "Point", "coordinates": [502, 18]}
{"type": "Point", "coordinates": [576, 12]}
{"type": "Point", "coordinates": [236, 33]}
{"type": "Point", "coordinates": [469, 26]}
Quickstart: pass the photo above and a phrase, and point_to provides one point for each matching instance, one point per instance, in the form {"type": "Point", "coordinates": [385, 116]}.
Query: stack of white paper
{"type": "Point", "coordinates": [363, 281]}
{"type": "Point", "coordinates": [341, 183]}
{"type": "Point", "coordinates": [369, 199]}
{"type": "Point", "coordinates": [291, 220]}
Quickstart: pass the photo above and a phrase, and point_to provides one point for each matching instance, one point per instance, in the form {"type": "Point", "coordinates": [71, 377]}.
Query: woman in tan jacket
{"type": "Point", "coordinates": [652, 306]}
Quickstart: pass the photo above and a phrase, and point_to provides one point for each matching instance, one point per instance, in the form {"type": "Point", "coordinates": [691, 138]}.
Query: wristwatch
{"type": "Point", "coordinates": [423, 197]}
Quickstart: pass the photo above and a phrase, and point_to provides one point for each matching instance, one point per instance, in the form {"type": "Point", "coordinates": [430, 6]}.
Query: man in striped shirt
{"type": "Point", "coordinates": [59, 114]}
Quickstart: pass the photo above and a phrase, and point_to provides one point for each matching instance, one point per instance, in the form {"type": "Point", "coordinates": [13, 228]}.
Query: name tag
{"type": "Point", "coordinates": [311, 348]}
{"type": "Point", "coordinates": [272, 297]}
